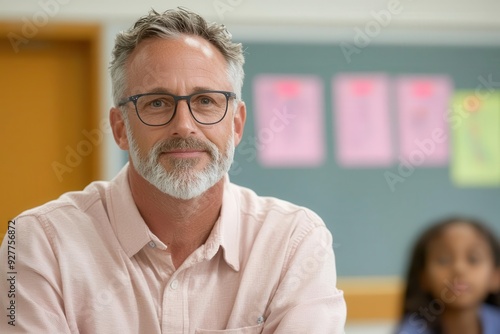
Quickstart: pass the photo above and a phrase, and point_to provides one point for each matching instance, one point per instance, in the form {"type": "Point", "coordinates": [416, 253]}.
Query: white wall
{"type": "Point", "coordinates": [391, 21]}
{"type": "Point", "coordinates": [409, 21]}
{"type": "Point", "coordinates": [416, 13]}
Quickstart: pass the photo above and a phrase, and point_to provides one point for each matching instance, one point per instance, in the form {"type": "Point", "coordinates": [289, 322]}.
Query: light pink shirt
{"type": "Point", "coordinates": [87, 263]}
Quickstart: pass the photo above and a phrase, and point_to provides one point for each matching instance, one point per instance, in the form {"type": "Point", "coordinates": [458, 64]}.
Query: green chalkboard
{"type": "Point", "coordinates": [373, 227]}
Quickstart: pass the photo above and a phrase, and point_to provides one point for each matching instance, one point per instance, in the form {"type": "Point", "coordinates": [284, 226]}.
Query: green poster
{"type": "Point", "coordinates": [475, 128]}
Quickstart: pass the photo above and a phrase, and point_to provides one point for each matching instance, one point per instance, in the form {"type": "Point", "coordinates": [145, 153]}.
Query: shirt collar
{"type": "Point", "coordinates": [130, 229]}
{"type": "Point", "coordinates": [133, 233]}
{"type": "Point", "coordinates": [227, 227]}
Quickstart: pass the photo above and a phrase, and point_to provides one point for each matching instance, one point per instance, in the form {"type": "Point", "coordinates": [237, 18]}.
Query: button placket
{"type": "Point", "coordinates": [174, 284]}
{"type": "Point", "coordinates": [173, 304]}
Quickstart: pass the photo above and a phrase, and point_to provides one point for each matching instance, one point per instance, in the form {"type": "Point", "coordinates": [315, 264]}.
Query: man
{"type": "Point", "coordinates": [170, 245]}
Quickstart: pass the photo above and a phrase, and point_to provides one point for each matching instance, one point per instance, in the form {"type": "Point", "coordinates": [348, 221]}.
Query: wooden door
{"type": "Point", "coordinates": [48, 117]}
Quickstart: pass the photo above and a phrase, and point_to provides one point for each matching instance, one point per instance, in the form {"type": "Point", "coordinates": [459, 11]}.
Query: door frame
{"type": "Point", "coordinates": [71, 32]}
{"type": "Point", "coordinates": [89, 34]}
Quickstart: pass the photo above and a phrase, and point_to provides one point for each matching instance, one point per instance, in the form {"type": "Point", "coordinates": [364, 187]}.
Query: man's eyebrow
{"type": "Point", "coordinates": [159, 90]}
{"type": "Point", "coordinates": [201, 88]}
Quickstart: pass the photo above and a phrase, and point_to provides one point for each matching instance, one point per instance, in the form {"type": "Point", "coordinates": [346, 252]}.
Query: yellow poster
{"type": "Point", "coordinates": [474, 121]}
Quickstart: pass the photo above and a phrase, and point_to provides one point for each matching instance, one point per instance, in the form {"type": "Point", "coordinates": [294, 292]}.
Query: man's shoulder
{"type": "Point", "coordinates": [69, 203]}
{"type": "Point", "coordinates": [74, 218]}
{"type": "Point", "coordinates": [269, 207]}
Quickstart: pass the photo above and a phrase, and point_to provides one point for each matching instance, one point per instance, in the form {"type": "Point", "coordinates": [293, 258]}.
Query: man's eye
{"type": "Point", "coordinates": [157, 103]}
{"type": "Point", "coordinates": [205, 101]}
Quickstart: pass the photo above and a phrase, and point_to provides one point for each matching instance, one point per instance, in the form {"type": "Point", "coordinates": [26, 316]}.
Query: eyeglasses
{"type": "Point", "coordinates": [156, 109]}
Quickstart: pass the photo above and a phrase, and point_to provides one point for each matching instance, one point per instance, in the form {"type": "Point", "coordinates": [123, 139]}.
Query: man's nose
{"type": "Point", "coordinates": [183, 124]}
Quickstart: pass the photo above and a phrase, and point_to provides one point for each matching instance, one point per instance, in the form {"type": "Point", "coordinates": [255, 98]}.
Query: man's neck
{"type": "Point", "coordinates": [182, 225]}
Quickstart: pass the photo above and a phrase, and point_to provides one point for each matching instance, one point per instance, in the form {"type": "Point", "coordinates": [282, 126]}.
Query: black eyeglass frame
{"type": "Point", "coordinates": [177, 98]}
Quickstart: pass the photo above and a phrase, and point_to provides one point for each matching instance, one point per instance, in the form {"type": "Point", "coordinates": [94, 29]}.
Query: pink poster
{"type": "Point", "coordinates": [289, 120]}
{"type": "Point", "coordinates": [422, 105]}
{"type": "Point", "coordinates": [362, 120]}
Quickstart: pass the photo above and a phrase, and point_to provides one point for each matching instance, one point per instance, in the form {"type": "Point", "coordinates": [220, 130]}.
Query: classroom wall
{"type": "Point", "coordinates": [316, 23]}
{"type": "Point", "coordinates": [373, 220]}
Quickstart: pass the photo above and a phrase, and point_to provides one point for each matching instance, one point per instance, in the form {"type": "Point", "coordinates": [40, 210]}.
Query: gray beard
{"type": "Point", "coordinates": [182, 181]}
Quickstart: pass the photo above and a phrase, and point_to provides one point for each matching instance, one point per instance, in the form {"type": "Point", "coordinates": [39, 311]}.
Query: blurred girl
{"type": "Point", "coordinates": [453, 281]}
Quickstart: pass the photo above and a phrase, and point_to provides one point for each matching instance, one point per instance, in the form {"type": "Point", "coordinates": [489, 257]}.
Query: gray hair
{"type": "Point", "coordinates": [171, 24]}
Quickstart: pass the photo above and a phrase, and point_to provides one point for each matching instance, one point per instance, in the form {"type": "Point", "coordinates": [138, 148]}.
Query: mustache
{"type": "Point", "coordinates": [184, 144]}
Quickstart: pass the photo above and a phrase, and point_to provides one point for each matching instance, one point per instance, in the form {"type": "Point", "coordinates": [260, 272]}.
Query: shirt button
{"type": "Point", "coordinates": [152, 244]}
{"type": "Point", "coordinates": [174, 284]}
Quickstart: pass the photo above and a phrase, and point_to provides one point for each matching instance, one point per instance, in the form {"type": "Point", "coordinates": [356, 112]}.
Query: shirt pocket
{"type": "Point", "coordinates": [244, 330]}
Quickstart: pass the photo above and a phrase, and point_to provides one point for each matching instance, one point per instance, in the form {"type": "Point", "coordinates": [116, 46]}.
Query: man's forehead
{"type": "Point", "coordinates": [163, 64]}
{"type": "Point", "coordinates": [183, 43]}
{"type": "Point", "coordinates": [199, 43]}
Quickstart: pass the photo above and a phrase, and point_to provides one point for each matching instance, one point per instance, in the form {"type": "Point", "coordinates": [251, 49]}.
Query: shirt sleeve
{"type": "Point", "coordinates": [32, 299]}
{"type": "Point", "coordinates": [307, 300]}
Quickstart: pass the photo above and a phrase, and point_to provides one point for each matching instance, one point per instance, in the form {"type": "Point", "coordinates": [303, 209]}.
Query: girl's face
{"type": "Point", "coordinates": [460, 268]}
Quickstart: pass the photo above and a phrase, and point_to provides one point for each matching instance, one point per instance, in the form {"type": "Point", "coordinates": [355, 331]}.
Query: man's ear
{"type": "Point", "coordinates": [118, 126]}
{"type": "Point", "coordinates": [240, 116]}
